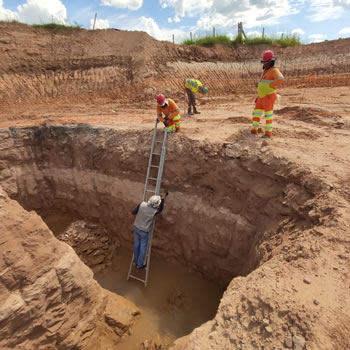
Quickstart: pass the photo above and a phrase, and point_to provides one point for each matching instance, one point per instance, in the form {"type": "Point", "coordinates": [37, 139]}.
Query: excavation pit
{"type": "Point", "coordinates": [227, 207]}
{"type": "Point", "coordinates": [172, 305]}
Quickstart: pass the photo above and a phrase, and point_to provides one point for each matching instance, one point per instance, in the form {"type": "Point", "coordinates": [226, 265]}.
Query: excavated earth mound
{"type": "Point", "coordinates": [38, 63]}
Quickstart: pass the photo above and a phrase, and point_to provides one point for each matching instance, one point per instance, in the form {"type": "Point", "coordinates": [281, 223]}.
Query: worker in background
{"type": "Point", "coordinates": [193, 86]}
{"type": "Point", "coordinates": [171, 112]}
{"type": "Point", "coordinates": [145, 213]}
{"type": "Point", "coordinates": [270, 79]}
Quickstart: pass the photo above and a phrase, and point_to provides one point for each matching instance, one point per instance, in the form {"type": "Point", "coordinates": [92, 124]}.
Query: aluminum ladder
{"type": "Point", "coordinates": [152, 186]}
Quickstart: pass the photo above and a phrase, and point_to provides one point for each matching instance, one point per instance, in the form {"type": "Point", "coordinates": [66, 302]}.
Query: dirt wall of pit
{"type": "Point", "coordinates": [48, 297]}
{"type": "Point", "coordinates": [37, 63]}
{"type": "Point", "coordinates": [220, 204]}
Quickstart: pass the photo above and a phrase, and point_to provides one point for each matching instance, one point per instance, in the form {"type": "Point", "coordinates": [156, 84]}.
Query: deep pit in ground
{"type": "Point", "coordinates": [225, 202]}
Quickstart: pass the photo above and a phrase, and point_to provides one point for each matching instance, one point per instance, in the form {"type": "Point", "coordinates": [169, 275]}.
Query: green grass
{"type": "Point", "coordinates": [209, 41]}
{"type": "Point", "coordinates": [289, 41]}
{"type": "Point", "coordinates": [56, 27]}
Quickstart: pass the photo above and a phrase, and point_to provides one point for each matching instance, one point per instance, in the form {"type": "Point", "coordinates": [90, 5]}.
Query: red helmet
{"type": "Point", "coordinates": [268, 56]}
{"type": "Point", "coordinates": [160, 99]}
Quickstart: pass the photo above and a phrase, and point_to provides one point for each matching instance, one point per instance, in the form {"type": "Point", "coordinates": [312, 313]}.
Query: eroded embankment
{"type": "Point", "coordinates": [223, 198]}
{"type": "Point", "coordinates": [38, 64]}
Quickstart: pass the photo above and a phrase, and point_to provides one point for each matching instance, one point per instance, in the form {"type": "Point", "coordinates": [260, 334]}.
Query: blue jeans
{"type": "Point", "coordinates": [140, 246]}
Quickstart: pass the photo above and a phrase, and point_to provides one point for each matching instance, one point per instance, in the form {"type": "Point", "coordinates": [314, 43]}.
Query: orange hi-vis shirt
{"type": "Point", "coordinates": [170, 111]}
{"type": "Point", "coordinates": [270, 80]}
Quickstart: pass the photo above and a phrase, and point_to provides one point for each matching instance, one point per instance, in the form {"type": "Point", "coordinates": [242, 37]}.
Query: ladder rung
{"type": "Point", "coordinates": [136, 278]}
{"type": "Point", "coordinates": [151, 191]}
{"type": "Point", "coordinates": [157, 154]}
{"type": "Point", "coordinates": [155, 166]}
{"type": "Point", "coordinates": [159, 141]}
{"type": "Point", "coordinates": [152, 178]}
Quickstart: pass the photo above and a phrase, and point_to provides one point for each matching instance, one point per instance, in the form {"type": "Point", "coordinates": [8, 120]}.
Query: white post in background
{"type": "Point", "coordinates": [93, 28]}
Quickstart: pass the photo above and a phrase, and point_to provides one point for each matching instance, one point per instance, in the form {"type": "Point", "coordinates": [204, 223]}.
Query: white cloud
{"type": "Point", "coordinates": [342, 3]}
{"type": "Point", "coordinates": [7, 15]}
{"type": "Point", "coordinates": [323, 10]}
{"type": "Point", "coordinates": [100, 23]}
{"type": "Point", "coordinates": [316, 38]}
{"type": "Point", "coordinates": [297, 31]}
{"type": "Point", "coordinates": [170, 20]}
{"type": "Point", "coordinates": [254, 34]}
{"type": "Point", "coordinates": [42, 11]}
{"type": "Point", "coordinates": [188, 7]}
{"type": "Point", "coordinates": [225, 14]}
{"type": "Point", "coordinates": [344, 31]}
{"type": "Point", "coordinates": [130, 4]}
{"type": "Point", "coordinates": [148, 25]}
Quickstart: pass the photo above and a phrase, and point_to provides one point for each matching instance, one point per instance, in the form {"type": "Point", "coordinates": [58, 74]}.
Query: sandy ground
{"type": "Point", "coordinates": [311, 126]}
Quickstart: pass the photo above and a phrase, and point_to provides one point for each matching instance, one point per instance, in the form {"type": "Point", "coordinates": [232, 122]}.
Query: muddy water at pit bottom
{"type": "Point", "coordinates": [174, 302]}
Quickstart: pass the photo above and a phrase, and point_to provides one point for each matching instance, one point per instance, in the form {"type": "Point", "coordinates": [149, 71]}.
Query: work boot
{"type": "Point", "coordinates": [141, 267]}
{"type": "Point", "coordinates": [195, 111]}
{"type": "Point", "coordinates": [189, 111]}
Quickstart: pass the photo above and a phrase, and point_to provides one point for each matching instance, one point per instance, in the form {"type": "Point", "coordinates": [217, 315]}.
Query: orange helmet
{"type": "Point", "coordinates": [268, 56]}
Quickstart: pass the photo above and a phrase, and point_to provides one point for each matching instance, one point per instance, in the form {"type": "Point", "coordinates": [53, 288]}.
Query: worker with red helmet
{"type": "Point", "coordinates": [171, 111]}
{"type": "Point", "coordinates": [271, 78]}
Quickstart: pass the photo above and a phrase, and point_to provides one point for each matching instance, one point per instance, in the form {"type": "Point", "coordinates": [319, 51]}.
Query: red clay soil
{"type": "Point", "coordinates": [37, 64]}
{"type": "Point", "coordinates": [299, 297]}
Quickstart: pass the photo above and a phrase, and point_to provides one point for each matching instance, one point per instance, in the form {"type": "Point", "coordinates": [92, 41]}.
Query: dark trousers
{"type": "Point", "coordinates": [191, 98]}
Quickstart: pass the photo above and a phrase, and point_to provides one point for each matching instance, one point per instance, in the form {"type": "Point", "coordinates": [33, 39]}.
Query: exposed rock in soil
{"type": "Point", "coordinates": [94, 244]}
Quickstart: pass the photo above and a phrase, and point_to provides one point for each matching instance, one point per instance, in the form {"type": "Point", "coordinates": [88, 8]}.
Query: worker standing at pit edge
{"type": "Point", "coordinates": [193, 86]}
{"type": "Point", "coordinates": [271, 78]}
{"type": "Point", "coordinates": [171, 111]}
{"type": "Point", "coordinates": [145, 213]}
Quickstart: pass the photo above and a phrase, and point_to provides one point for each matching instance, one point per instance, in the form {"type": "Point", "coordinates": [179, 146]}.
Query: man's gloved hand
{"type": "Point", "coordinates": [166, 121]}
{"type": "Point", "coordinates": [157, 120]}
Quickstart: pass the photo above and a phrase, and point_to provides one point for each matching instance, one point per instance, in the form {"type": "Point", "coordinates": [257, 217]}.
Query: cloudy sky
{"type": "Point", "coordinates": [312, 20]}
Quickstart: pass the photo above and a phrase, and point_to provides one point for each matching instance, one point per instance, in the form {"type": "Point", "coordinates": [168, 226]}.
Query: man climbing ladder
{"type": "Point", "coordinates": [145, 213]}
{"type": "Point", "coordinates": [151, 205]}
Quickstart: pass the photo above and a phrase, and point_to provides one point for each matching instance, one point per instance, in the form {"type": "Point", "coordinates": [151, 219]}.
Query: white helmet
{"type": "Point", "coordinates": [154, 201]}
